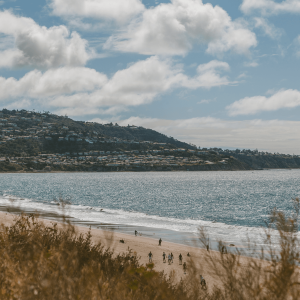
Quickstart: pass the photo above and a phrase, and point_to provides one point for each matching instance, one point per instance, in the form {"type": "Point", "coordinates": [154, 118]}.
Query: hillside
{"type": "Point", "coordinates": [34, 142]}
{"type": "Point", "coordinates": [49, 133]}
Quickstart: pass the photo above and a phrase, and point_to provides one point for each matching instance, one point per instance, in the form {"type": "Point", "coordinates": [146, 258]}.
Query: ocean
{"type": "Point", "coordinates": [231, 205]}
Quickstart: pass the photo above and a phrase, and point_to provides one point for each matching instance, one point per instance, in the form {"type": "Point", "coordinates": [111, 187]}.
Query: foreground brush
{"type": "Point", "coordinates": [42, 262]}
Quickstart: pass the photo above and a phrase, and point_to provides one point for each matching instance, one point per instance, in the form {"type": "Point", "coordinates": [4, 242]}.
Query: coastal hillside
{"type": "Point", "coordinates": [52, 133]}
{"type": "Point", "coordinates": [31, 141]}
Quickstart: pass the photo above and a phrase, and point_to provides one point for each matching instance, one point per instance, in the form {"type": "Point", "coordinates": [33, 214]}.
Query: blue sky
{"type": "Point", "coordinates": [211, 73]}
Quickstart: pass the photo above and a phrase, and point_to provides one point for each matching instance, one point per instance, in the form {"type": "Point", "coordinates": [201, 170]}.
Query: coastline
{"type": "Point", "coordinates": [144, 171]}
{"type": "Point", "coordinates": [175, 237]}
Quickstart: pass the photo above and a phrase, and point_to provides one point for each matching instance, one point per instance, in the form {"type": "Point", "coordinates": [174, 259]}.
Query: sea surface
{"type": "Point", "coordinates": [230, 205]}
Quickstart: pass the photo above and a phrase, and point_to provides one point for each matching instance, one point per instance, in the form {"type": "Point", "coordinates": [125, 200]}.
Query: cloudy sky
{"type": "Point", "coordinates": [211, 73]}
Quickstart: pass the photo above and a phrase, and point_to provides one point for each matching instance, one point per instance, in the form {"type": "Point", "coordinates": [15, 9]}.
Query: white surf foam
{"type": "Point", "coordinates": [217, 231]}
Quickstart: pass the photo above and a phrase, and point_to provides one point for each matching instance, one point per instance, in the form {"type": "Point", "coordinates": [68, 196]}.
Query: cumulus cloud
{"type": "Point", "coordinates": [208, 75]}
{"type": "Point", "coordinates": [136, 85]}
{"type": "Point", "coordinates": [251, 105]}
{"type": "Point", "coordinates": [270, 6]}
{"type": "Point", "coordinates": [272, 136]}
{"type": "Point", "coordinates": [40, 46]}
{"type": "Point", "coordinates": [83, 88]}
{"type": "Point", "coordinates": [117, 10]}
{"type": "Point", "coordinates": [36, 84]}
{"type": "Point", "coordinates": [173, 28]}
{"type": "Point", "coordinates": [143, 81]}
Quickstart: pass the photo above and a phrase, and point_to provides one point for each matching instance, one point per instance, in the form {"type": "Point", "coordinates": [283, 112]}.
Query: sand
{"type": "Point", "coordinates": [143, 245]}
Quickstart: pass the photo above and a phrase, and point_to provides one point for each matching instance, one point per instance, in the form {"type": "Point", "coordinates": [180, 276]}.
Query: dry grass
{"type": "Point", "coordinates": [40, 262]}
{"type": "Point", "coordinates": [273, 273]}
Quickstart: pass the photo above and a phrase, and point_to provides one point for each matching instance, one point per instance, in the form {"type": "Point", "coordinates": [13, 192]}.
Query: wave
{"type": "Point", "coordinates": [235, 234]}
{"type": "Point", "coordinates": [218, 231]}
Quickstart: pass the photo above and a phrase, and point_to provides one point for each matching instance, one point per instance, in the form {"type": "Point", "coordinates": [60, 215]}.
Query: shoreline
{"type": "Point", "coordinates": [188, 239]}
{"type": "Point", "coordinates": [141, 171]}
{"type": "Point", "coordinates": [170, 236]}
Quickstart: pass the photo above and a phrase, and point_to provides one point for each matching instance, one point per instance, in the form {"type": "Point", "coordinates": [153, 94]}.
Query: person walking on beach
{"type": "Point", "coordinates": [184, 267]}
{"type": "Point", "coordinates": [135, 233]}
{"type": "Point", "coordinates": [172, 257]}
{"type": "Point", "coordinates": [202, 282]}
{"type": "Point", "coordinates": [159, 242]}
{"type": "Point", "coordinates": [164, 257]}
{"type": "Point", "coordinates": [169, 258]}
{"type": "Point", "coordinates": [224, 250]}
{"type": "Point", "coordinates": [150, 256]}
{"type": "Point", "coordinates": [180, 259]}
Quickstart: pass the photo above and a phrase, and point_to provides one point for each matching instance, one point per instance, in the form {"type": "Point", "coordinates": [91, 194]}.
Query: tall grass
{"type": "Point", "coordinates": [272, 272]}
{"type": "Point", "coordinates": [40, 262]}
{"type": "Point", "coordinates": [51, 262]}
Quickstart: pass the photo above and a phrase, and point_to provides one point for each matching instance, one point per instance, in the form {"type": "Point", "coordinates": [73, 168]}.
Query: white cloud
{"type": "Point", "coordinates": [269, 29]}
{"type": "Point", "coordinates": [243, 75]}
{"type": "Point", "coordinates": [136, 85]}
{"type": "Point", "coordinates": [208, 75]}
{"type": "Point", "coordinates": [24, 103]}
{"type": "Point", "coordinates": [143, 81]}
{"type": "Point", "coordinates": [36, 84]}
{"type": "Point", "coordinates": [173, 28]}
{"type": "Point", "coordinates": [251, 105]}
{"type": "Point", "coordinates": [117, 10]}
{"type": "Point", "coordinates": [270, 6]}
{"type": "Point", "coordinates": [252, 64]}
{"type": "Point", "coordinates": [204, 101]}
{"type": "Point", "coordinates": [273, 136]}
{"type": "Point", "coordinates": [40, 46]}
{"type": "Point", "coordinates": [6, 41]}
{"type": "Point", "coordinates": [86, 89]}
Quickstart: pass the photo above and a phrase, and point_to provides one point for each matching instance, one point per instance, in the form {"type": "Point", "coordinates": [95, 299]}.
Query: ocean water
{"type": "Point", "coordinates": [231, 205]}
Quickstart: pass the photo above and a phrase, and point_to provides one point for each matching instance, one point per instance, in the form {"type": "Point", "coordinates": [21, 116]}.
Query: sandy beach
{"type": "Point", "coordinates": [142, 246]}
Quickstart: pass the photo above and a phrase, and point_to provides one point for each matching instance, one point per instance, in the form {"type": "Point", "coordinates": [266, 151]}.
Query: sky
{"type": "Point", "coordinates": [211, 73]}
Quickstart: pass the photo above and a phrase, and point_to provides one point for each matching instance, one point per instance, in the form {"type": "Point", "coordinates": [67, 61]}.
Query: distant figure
{"type": "Point", "coordinates": [184, 267]}
{"type": "Point", "coordinates": [207, 248]}
{"type": "Point", "coordinates": [180, 259]}
{"type": "Point", "coordinates": [159, 242]}
{"type": "Point", "coordinates": [135, 233]}
{"type": "Point", "coordinates": [164, 257]}
{"type": "Point", "coordinates": [122, 241]}
{"type": "Point", "coordinates": [224, 250]}
{"type": "Point", "coordinates": [202, 282]}
{"type": "Point", "coordinates": [169, 259]}
{"type": "Point", "coordinates": [150, 256]}
{"type": "Point", "coordinates": [188, 254]}
{"type": "Point", "coordinates": [172, 256]}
